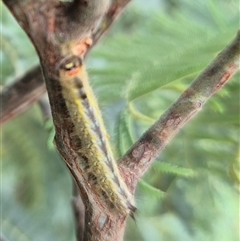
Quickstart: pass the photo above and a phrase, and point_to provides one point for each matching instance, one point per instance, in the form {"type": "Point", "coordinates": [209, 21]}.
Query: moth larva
{"type": "Point", "coordinates": [89, 137]}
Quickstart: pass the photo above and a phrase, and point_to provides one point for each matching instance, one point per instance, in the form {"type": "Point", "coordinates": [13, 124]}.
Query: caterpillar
{"type": "Point", "coordinates": [89, 139]}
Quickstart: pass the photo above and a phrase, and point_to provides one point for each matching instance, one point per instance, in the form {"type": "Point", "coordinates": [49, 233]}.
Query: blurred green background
{"type": "Point", "coordinates": [148, 58]}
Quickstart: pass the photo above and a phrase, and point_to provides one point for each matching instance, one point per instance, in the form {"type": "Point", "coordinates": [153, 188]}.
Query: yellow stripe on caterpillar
{"type": "Point", "coordinates": [90, 139]}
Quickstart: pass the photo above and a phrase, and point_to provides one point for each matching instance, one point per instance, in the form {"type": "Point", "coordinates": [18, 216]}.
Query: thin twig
{"type": "Point", "coordinates": [141, 155]}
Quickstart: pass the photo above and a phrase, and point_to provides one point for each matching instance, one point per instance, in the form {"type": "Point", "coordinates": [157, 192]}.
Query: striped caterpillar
{"type": "Point", "coordinates": [89, 138]}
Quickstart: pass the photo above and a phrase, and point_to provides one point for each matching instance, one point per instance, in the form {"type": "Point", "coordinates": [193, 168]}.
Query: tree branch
{"type": "Point", "coordinates": [141, 155]}
{"type": "Point", "coordinates": [79, 213]}
{"type": "Point", "coordinates": [29, 89]}
{"type": "Point", "coordinates": [47, 26]}
{"type": "Point", "coordinates": [20, 95]}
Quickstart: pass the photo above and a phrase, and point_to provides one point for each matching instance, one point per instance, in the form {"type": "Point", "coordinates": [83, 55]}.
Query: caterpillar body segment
{"type": "Point", "coordinates": [89, 138]}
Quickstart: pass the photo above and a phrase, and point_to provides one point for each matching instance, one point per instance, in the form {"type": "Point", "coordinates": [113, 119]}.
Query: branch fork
{"type": "Point", "coordinates": [101, 224]}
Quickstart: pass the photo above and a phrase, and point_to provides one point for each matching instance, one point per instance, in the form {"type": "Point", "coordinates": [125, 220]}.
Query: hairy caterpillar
{"type": "Point", "coordinates": [89, 137]}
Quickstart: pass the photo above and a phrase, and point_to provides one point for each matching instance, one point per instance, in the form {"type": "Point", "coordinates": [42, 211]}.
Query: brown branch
{"type": "Point", "coordinates": [79, 213]}
{"type": "Point", "coordinates": [141, 155]}
{"type": "Point", "coordinates": [20, 94]}
{"type": "Point", "coordinates": [29, 88]}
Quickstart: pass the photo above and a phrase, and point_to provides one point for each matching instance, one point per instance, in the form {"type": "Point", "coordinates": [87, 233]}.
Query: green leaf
{"type": "Point", "coordinates": [150, 190]}
{"type": "Point", "coordinates": [172, 169]}
{"type": "Point", "coordinates": [123, 136]}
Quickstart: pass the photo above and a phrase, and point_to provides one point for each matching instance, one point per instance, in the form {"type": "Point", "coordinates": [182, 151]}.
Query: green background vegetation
{"type": "Point", "coordinates": [143, 64]}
